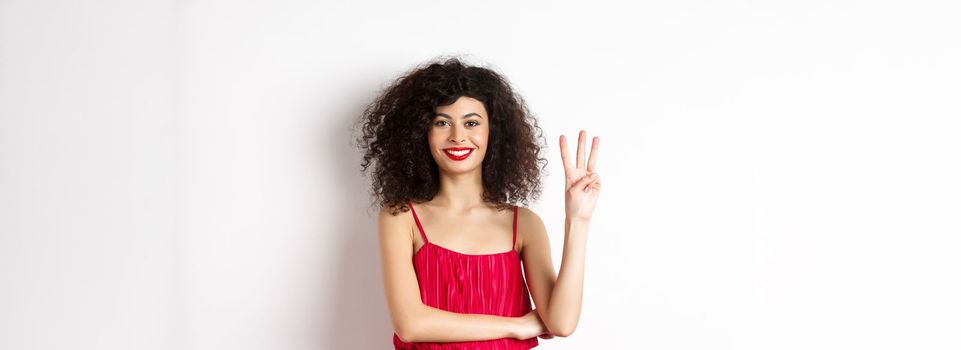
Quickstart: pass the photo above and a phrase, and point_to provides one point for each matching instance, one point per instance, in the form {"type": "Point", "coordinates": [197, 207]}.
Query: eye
{"type": "Point", "coordinates": [475, 123]}
{"type": "Point", "coordinates": [437, 123]}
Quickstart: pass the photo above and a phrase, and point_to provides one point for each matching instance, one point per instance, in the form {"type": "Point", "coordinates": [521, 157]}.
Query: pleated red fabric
{"type": "Point", "coordinates": [491, 284]}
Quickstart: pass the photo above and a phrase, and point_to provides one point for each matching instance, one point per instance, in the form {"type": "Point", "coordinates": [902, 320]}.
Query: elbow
{"type": "Point", "coordinates": [560, 325]}
{"type": "Point", "coordinates": [409, 328]}
{"type": "Point", "coordinates": [406, 332]}
{"type": "Point", "coordinates": [564, 331]}
{"type": "Point", "coordinates": [405, 337]}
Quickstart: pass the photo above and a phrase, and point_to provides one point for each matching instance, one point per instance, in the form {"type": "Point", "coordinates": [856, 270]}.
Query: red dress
{"type": "Point", "coordinates": [491, 284]}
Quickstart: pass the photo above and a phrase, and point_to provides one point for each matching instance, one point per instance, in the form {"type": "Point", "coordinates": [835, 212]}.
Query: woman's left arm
{"type": "Point", "coordinates": [558, 297]}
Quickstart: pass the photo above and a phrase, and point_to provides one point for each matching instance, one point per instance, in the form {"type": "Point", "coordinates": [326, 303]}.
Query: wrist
{"type": "Point", "coordinates": [513, 326]}
{"type": "Point", "coordinates": [571, 219]}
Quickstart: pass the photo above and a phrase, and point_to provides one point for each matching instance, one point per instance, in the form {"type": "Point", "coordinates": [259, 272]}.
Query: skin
{"type": "Point", "coordinates": [458, 219]}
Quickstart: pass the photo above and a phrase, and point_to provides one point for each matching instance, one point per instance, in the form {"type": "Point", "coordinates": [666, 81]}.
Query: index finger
{"type": "Point", "coordinates": [564, 157]}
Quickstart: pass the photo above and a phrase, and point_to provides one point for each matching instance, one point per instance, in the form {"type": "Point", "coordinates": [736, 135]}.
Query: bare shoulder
{"type": "Point", "coordinates": [388, 217]}
{"type": "Point", "coordinates": [386, 213]}
{"type": "Point", "coordinates": [529, 225]}
{"type": "Point", "coordinates": [394, 227]}
{"type": "Point", "coordinates": [526, 216]}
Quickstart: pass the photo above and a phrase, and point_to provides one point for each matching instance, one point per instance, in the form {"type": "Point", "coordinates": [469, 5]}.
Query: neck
{"type": "Point", "coordinates": [460, 192]}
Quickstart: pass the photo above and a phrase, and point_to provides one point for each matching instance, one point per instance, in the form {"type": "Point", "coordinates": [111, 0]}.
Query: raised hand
{"type": "Point", "coordinates": [582, 184]}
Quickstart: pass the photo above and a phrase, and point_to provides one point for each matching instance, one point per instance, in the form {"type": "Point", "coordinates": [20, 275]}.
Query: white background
{"type": "Point", "coordinates": [778, 175]}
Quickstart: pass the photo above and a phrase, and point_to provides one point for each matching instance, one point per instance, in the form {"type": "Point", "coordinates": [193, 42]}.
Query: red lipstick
{"type": "Point", "coordinates": [458, 153]}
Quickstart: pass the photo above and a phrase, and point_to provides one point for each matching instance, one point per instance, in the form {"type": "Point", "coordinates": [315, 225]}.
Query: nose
{"type": "Point", "coordinates": [456, 135]}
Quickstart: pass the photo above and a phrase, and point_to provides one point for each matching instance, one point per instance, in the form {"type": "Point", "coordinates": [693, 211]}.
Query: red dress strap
{"type": "Point", "coordinates": [515, 229]}
{"type": "Point", "coordinates": [419, 226]}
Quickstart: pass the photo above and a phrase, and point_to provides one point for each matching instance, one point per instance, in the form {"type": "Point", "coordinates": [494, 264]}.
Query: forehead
{"type": "Point", "coordinates": [463, 105]}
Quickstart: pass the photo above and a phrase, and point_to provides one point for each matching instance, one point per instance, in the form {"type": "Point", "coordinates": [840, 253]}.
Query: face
{"type": "Point", "coordinates": [458, 135]}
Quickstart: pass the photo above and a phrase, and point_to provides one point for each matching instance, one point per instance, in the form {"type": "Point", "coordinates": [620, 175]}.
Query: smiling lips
{"type": "Point", "coordinates": [458, 153]}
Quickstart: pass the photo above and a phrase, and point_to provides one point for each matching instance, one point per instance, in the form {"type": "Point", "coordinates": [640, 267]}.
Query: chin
{"type": "Point", "coordinates": [457, 167]}
{"type": "Point", "coordinates": [459, 170]}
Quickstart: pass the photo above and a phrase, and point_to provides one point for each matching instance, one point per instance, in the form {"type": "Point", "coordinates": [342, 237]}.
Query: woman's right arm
{"type": "Point", "coordinates": [415, 322]}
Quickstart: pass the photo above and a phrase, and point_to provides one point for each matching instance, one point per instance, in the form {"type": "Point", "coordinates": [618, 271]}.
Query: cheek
{"type": "Point", "coordinates": [480, 134]}
{"type": "Point", "coordinates": [481, 138]}
{"type": "Point", "coordinates": [433, 138]}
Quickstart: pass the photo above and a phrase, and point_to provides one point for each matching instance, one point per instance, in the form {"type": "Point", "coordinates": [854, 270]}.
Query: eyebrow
{"type": "Point", "coordinates": [471, 114]}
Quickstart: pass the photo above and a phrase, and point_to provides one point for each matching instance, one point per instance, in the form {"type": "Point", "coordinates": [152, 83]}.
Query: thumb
{"type": "Point", "coordinates": [584, 182]}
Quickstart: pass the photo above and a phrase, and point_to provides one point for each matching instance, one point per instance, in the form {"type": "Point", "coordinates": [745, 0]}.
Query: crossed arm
{"type": "Point", "coordinates": [413, 321]}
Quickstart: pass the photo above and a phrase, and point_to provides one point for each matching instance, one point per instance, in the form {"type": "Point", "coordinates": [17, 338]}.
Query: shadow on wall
{"type": "Point", "coordinates": [357, 309]}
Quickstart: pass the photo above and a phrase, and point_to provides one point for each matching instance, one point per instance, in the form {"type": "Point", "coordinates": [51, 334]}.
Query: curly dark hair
{"type": "Point", "coordinates": [395, 126]}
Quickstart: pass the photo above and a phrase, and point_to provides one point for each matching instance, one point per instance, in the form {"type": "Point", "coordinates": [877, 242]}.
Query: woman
{"type": "Point", "coordinates": [456, 146]}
